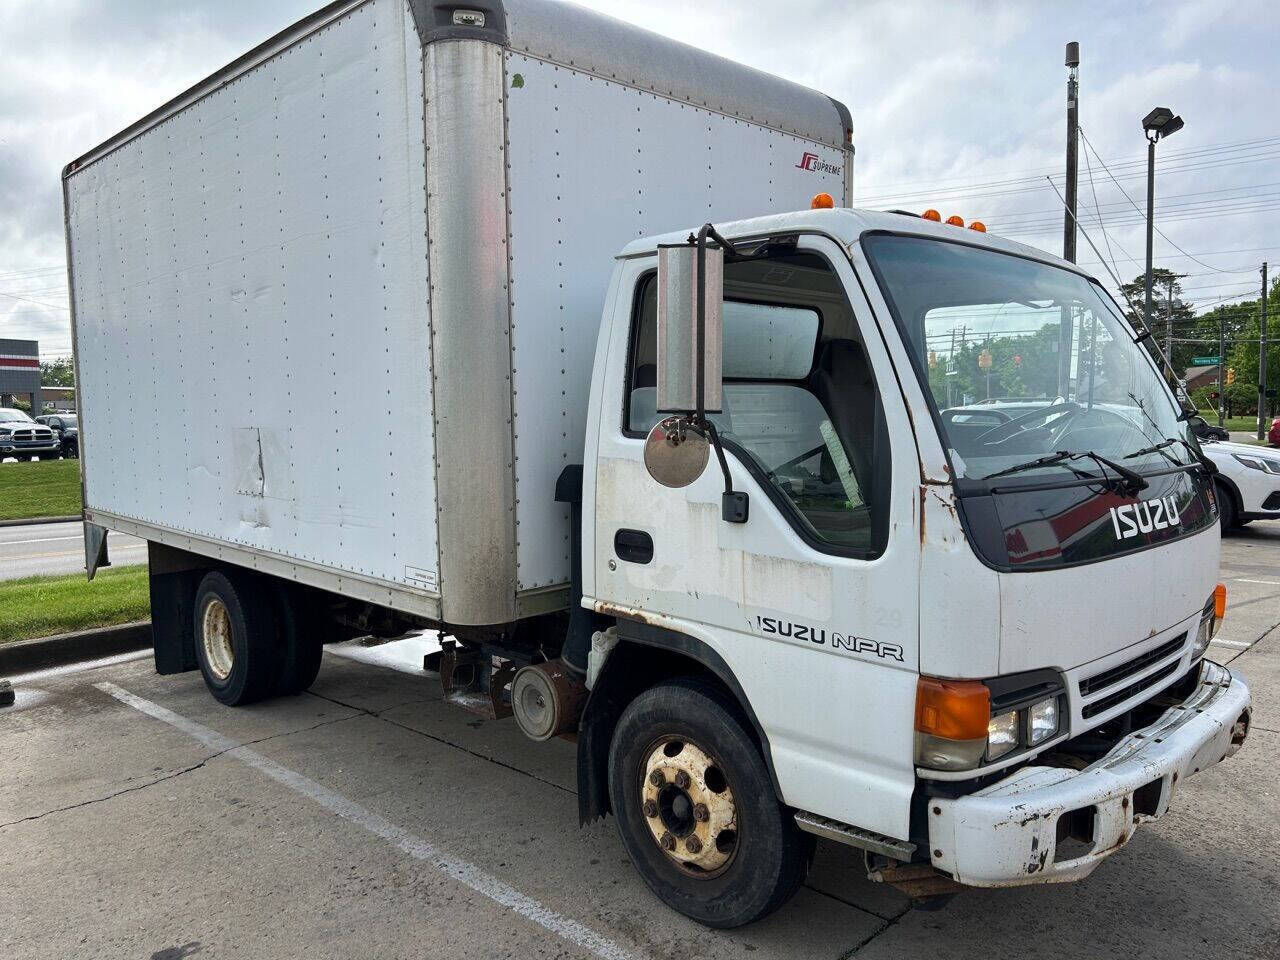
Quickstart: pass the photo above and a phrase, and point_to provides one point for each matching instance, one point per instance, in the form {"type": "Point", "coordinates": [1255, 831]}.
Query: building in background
{"type": "Point", "coordinates": [20, 373]}
{"type": "Point", "coordinates": [58, 399]}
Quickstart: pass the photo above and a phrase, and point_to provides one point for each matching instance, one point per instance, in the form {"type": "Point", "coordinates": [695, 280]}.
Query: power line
{"type": "Point", "coordinates": [1035, 174]}
{"type": "Point", "coordinates": [1089, 144]}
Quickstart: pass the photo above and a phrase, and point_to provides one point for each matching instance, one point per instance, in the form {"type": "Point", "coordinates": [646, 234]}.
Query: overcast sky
{"type": "Point", "coordinates": [956, 105]}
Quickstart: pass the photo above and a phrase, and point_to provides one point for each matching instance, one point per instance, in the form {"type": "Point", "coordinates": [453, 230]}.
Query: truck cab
{"type": "Point", "coordinates": [967, 637]}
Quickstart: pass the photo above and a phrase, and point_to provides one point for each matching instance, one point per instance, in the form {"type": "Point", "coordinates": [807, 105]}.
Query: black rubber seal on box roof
{"type": "Point", "coordinates": [434, 21]}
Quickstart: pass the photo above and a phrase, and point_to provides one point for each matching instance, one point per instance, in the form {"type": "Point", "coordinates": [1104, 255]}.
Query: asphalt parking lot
{"type": "Point", "coordinates": [138, 818]}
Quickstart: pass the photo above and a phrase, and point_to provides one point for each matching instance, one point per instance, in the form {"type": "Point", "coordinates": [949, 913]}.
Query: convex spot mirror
{"type": "Point", "coordinates": [674, 454]}
{"type": "Point", "coordinates": [678, 341]}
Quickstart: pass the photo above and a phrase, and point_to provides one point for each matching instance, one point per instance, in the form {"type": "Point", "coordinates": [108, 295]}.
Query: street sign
{"type": "Point", "coordinates": [1205, 361]}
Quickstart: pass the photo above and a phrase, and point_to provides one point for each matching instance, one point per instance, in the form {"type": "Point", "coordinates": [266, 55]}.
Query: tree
{"type": "Point", "coordinates": [1241, 399]}
{"type": "Point", "coordinates": [58, 372]}
{"type": "Point", "coordinates": [1243, 355]}
{"type": "Point", "coordinates": [1185, 323]}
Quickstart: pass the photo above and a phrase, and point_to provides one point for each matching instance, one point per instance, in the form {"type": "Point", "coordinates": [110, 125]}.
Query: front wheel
{"type": "Point", "coordinates": [696, 808]}
{"type": "Point", "coordinates": [1226, 507]}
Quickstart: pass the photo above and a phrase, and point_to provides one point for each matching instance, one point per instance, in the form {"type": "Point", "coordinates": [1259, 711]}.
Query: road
{"type": "Point", "coordinates": [45, 548]}
{"type": "Point", "coordinates": [366, 818]}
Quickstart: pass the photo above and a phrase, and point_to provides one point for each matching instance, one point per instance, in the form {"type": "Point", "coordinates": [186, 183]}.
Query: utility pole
{"type": "Point", "coordinates": [1262, 357]}
{"type": "Point", "coordinates": [1222, 367]}
{"type": "Point", "coordinates": [1168, 326]}
{"type": "Point", "coordinates": [1073, 138]}
{"type": "Point", "coordinates": [1066, 329]}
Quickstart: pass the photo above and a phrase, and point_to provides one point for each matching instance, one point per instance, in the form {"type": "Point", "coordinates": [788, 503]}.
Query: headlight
{"type": "Point", "coordinates": [1002, 734]}
{"type": "Point", "coordinates": [961, 724]}
{"type": "Point", "coordinates": [1259, 463]}
{"type": "Point", "coordinates": [1203, 635]}
{"type": "Point", "coordinates": [1042, 720]}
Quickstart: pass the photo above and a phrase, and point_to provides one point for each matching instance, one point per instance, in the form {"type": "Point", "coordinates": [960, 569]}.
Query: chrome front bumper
{"type": "Point", "coordinates": [1007, 834]}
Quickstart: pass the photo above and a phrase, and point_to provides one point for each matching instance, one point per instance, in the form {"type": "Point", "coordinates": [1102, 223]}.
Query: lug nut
{"type": "Point", "coordinates": [682, 780]}
{"type": "Point", "coordinates": [701, 813]}
{"type": "Point", "coordinates": [693, 844]}
{"type": "Point", "coordinates": [657, 779]}
{"type": "Point", "coordinates": [650, 809]}
{"type": "Point", "coordinates": [668, 842]}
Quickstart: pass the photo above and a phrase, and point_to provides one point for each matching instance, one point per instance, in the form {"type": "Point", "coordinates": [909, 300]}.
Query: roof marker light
{"type": "Point", "coordinates": [955, 221]}
{"type": "Point", "coordinates": [822, 201]}
{"type": "Point", "coordinates": [979, 226]}
{"type": "Point", "coordinates": [933, 215]}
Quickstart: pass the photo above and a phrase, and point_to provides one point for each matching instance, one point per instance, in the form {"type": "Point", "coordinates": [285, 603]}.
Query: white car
{"type": "Point", "coordinates": [1248, 481]}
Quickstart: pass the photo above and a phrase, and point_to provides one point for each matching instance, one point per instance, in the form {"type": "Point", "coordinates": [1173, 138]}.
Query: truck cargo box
{"type": "Point", "coordinates": [335, 307]}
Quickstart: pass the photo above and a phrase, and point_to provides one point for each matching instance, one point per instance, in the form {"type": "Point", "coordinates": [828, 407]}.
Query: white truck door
{"type": "Point", "coordinates": [812, 603]}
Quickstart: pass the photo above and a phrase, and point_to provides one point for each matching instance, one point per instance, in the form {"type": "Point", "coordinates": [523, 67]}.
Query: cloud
{"type": "Point", "coordinates": [945, 96]}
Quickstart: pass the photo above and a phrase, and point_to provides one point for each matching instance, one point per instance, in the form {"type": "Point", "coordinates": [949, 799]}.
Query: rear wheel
{"type": "Point", "coordinates": [236, 643]}
{"type": "Point", "coordinates": [696, 808]}
{"type": "Point", "coordinates": [301, 649]}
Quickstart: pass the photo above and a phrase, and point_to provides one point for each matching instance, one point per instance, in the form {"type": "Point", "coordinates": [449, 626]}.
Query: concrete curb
{"type": "Point", "coordinates": [26, 656]}
{"type": "Point", "coordinates": [32, 521]}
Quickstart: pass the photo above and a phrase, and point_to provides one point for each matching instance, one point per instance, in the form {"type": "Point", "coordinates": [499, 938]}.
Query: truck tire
{"type": "Point", "coordinates": [237, 646]}
{"type": "Point", "coordinates": [696, 808]}
{"type": "Point", "coordinates": [301, 650]}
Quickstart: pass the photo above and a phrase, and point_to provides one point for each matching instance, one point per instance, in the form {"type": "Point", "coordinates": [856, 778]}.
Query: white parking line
{"type": "Point", "coordinates": [1232, 643]}
{"type": "Point", "coordinates": [1269, 583]}
{"type": "Point", "coordinates": [40, 540]}
{"type": "Point", "coordinates": [416, 847]}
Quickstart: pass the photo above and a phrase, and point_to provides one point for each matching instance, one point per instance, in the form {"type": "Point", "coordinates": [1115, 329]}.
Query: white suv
{"type": "Point", "coordinates": [1248, 481]}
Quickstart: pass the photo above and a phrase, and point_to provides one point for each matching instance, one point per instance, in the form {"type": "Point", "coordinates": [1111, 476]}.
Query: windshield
{"type": "Point", "coordinates": [1025, 360]}
{"type": "Point", "coordinates": [14, 416]}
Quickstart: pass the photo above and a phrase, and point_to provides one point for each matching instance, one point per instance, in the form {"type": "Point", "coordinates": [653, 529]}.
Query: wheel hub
{"type": "Point", "coordinates": [215, 637]}
{"type": "Point", "coordinates": [689, 808]}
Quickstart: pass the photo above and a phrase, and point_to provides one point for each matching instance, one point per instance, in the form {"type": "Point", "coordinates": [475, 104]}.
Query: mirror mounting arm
{"type": "Point", "coordinates": [734, 506]}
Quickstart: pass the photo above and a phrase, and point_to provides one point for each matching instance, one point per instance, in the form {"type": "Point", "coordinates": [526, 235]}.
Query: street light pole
{"type": "Point", "coordinates": [1151, 212]}
{"type": "Point", "coordinates": [1158, 124]}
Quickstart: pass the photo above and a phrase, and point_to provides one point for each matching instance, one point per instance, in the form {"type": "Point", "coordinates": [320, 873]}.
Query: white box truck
{"type": "Point", "coordinates": [423, 292]}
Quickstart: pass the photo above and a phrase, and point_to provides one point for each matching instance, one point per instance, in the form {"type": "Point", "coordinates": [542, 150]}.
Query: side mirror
{"type": "Point", "coordinates": [690, 340]}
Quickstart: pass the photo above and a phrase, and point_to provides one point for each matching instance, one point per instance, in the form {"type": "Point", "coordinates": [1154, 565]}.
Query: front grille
{"type": "Point", "coordinates": [1100, 681]}
{"type": "Point", "coordinates": [32, 436]}
{"type": "Point", "coordinates": [1125, 693]}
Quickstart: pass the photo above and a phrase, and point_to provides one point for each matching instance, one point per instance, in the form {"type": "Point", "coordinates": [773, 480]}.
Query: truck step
{"type": "Point", "coordinates": [854, 836]}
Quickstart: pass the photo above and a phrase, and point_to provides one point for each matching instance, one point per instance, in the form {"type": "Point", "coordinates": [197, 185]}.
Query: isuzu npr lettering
{"type": "Point", "coordinates": [514, 322]}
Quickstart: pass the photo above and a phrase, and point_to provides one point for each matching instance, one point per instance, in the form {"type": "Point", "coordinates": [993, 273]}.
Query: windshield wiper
{"type": "Point", "coordinates": [1160, 448]}
{"type": "Point", "coordinates": [1132, 482]}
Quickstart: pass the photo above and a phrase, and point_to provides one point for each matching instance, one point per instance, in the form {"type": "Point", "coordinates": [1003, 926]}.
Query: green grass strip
{"type": "Point", "coordinates": [42, 606]}
{"type": "Point", "coordinates": [47, 488]}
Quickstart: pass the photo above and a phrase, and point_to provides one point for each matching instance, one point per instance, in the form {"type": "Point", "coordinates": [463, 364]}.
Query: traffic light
{"type": "Point", "coordinates": [1231, 376]}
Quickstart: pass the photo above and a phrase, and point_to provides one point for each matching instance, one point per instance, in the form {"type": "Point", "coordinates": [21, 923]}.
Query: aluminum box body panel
{"type": "Point", "coordinates": [357, 284]}
{"type": "Point", "coordinates": [250, 277]}
{"type": "Point", "coordinates": [594, 164]}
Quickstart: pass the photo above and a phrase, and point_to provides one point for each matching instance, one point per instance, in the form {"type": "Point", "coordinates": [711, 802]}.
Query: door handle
{"type": "Point", "coordinates": [634, 546]}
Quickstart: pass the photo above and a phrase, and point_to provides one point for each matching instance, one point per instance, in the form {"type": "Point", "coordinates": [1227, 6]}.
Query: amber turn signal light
{"type": "Point", "coordinates": [952, 709]}
{"type": "Point", "coordinates": [1220, 601]}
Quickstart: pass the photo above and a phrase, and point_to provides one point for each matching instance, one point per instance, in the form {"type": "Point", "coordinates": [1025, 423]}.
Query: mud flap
{"type": "Point", "coordinates": [95, 548]}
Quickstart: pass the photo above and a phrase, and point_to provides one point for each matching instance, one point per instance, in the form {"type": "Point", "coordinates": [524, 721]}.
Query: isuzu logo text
{"type": "Point", "coordinates": [838, 641]}
{"type": "Point", "coordinates": [812, 163]}
{"type": "Point", "coordinates": [1144, 517]}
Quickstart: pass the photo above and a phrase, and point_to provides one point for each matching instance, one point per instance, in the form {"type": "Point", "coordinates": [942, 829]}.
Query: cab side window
{"type": "Point", "coordinates": [801, 409]}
